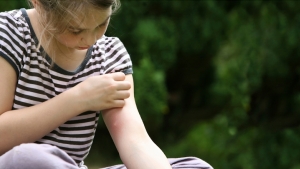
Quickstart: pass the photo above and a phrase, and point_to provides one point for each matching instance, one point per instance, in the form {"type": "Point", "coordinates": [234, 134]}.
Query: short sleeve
{"type": "Point", "coordinates": [11, 41]}
{"type": "Point", "coordinates": [117, 58]}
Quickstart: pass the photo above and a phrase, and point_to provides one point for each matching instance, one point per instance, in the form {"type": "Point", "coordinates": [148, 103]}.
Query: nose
{"type": "Point", "coordinates": [90, 38]}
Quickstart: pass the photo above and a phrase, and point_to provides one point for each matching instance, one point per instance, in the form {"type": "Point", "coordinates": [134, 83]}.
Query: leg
{"type": "Point", "coordinates": [189, 163]}
{"type": "Point", "coordinates": [36, 156]}
{"type": "Point", "coordinates": [178, 163]}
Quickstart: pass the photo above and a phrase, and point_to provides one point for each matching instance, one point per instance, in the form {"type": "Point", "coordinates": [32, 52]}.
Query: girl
{"type": "Point", "coordinates": [58, 72]}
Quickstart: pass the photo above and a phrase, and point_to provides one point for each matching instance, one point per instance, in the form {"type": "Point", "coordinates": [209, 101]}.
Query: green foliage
{"type": "Point", "coordinates": [150, 93]}
{"type": "Point", "coordinates": [255, 52]}
{"type": "Point", "coordinates": [255, 69]}
{"type": "Point", "coordinates": [243, 149]}
{"type": "Point", "coordinates": [156, 41]}
{"type": "Point", "coordinates": [12, 4]}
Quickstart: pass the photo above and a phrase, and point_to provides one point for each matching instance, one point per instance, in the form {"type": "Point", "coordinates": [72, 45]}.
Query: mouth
{"type": "Point", "coordinates": [83, 48]}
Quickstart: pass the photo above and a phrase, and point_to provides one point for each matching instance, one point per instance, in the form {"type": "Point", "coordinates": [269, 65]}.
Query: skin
{"type": "Point", "coordinates": [84, 34]}
{"type": "Point", "coordinates": [112, 93]}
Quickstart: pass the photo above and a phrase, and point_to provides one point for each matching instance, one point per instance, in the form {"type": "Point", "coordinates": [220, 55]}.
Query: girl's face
{"type": "Point", "coordinates": [82, 34]}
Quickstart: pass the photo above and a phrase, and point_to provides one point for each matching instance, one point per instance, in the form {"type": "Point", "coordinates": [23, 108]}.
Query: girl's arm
{"type": "Point", "coordinates": [134, 145]}
{"type": "Point", "coordinates": [32, 123]}
{"type": "Point", "coordinates": [29, 124]}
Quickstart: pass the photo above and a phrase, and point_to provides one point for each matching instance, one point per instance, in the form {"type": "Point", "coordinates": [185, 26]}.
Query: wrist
{"type": "Point", "coordinates": [74, 100]}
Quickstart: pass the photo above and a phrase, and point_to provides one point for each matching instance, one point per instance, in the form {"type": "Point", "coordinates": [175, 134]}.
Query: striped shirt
{"type": "Point", "coordinates": [37, 81]}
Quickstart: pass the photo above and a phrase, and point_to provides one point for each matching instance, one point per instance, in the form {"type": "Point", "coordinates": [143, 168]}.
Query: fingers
{"type": "Point", "coordinates": [124, 85]}
{"type": "Point", "coordinates": [118, 103]}
{"type": "Point", "coordinates": [121, 95]}
{"type": "Point", "coordinates": [118, 76]}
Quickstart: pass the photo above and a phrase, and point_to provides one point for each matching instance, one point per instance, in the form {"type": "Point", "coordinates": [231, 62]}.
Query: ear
{"type": "Point", "coordinates": [34, 3]}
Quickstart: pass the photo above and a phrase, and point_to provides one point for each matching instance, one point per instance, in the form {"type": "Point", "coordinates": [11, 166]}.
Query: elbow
{"type": "Point", "coordinates": [128, 134]}
{"type": "Point", "coordinates": [3, 146]}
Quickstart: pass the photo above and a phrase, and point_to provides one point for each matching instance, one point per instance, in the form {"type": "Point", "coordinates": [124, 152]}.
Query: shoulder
{"type": "Point", "coordinates": [13, 26]}
{"type": "Point", "coordinates": [108, 43]}
{"type": "Point", "coordinates": [110, 47]}
{"type": "Point", "coordinates": [12, 19]}
{"type": "Point", "coordinates": [14, 37]}
{"type": "Point", "coordinates": [114, 54]}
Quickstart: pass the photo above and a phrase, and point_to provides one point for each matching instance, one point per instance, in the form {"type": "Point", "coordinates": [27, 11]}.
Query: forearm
{"type": "Point", "coordinates": [135, 147]}
{"type": "Point", "coordinates": [143, 154]}
{"type": "Point", "coordinates": [32, 123]}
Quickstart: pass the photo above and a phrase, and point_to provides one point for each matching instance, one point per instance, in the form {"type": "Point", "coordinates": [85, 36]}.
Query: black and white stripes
{"type": "Point", "coordinates": [37, 82]}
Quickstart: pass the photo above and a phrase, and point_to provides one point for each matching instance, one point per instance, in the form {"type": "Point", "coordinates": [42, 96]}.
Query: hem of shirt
{"type": "Point", "coordinates": [79, 68]}
{"type": "Point", "coordinates": [10, 62]}
{"type": "Point", "coordinates": [127, 71]}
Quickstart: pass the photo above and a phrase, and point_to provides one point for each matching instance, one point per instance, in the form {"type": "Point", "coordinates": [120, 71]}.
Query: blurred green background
{"type": "Point", "coordinates": [219, 80]}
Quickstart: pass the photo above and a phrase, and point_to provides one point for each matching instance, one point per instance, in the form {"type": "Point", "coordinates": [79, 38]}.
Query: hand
{"type": "Point", "coordinates": [103, 92]}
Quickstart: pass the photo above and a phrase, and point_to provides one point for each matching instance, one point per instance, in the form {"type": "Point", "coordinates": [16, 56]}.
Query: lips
{"type": "Point", "coordinates": [83, 48]}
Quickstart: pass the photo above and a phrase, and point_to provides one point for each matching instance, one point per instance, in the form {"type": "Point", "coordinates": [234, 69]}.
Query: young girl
{"type": "Point", "coordinates": [58, 71]}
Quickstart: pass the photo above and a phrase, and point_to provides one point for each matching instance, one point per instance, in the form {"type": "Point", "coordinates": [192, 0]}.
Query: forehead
{"type": "Point", "coordinates": [91, 18]}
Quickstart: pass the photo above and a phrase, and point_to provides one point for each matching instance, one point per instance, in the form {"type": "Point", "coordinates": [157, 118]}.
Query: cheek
{"type": "Point", "coordinates": [67, 40]}
{"type": "Point", "coordinates": [101, 32]}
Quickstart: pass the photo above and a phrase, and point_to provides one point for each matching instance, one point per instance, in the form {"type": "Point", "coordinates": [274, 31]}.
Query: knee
{"type": "Point", "coordinates": [31, 156]}
{"type": "Point", "coordinates": [189, 162]}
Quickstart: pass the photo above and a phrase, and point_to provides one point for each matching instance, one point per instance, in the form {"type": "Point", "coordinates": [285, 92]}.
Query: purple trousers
{"type": "Point", "coordinates": [44, 156]}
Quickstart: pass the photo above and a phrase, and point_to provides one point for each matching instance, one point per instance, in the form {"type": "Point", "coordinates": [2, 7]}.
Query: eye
{"type": "Point", "coordinates": [76, 32]}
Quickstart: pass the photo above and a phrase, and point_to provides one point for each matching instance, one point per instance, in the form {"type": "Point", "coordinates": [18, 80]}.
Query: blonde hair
{"type": "Point", "coordinates": [56, 15]}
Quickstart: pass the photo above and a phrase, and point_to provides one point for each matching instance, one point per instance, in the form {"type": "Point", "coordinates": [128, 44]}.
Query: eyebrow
{"type": "Point", "coordinates": [78, 28]}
